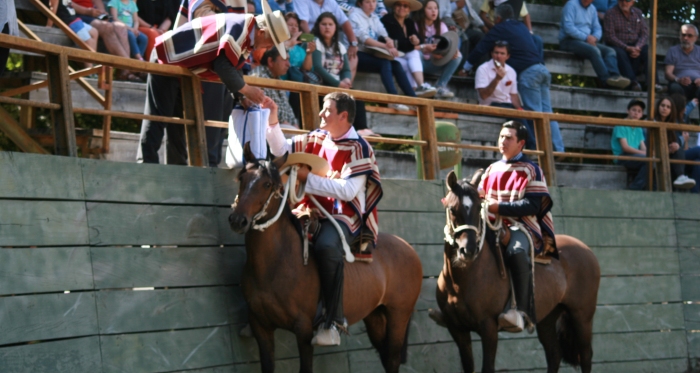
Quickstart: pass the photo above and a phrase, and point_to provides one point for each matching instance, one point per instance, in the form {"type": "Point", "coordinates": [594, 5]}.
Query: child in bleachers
{"type": "Point", "coordinates": [629, 141]}
{"type": "Point", "coordinates": [84, 31]}
{"type": "Point", "coordinates": [126, 12]}
{"type": "Point", "coordinates": [430, 27]}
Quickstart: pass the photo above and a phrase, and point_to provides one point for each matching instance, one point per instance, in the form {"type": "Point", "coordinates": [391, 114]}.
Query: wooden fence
{"type": "Point", "coordinates": [117, 267]}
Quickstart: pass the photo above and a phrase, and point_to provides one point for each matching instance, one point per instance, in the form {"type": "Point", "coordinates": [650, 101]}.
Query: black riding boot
{"type": "Point", "coordinates": [330, 258]}
{"type": "Point", "coordinates": [521, 272]}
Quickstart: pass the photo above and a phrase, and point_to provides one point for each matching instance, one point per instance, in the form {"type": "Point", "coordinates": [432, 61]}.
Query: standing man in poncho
{"type": "Point", "coordinates": [515, 188]}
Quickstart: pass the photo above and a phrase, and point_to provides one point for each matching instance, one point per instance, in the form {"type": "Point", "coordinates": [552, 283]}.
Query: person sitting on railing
{"type": "Point", "coordinates": [85, 32]}
{"type": "Point", "coordinates": [533, 77]}
{"type": "Point", "coordinates": [683, 64]}
{"type": "Point", "coordinates": [666, 112]}
{"type": "Point", "coordinates": [629, 141]}
{"type": "Point", "coordinates": [156, 18]}
{"type": "Point", "coordinates": [580, 33]}
{"type": "Point", "coordinates": [273, 66]}
{"type": "Point", "coordinates": [402, 29]}
{"type": "Point", "coordinates": [497, 82]}
{"type": "Point", "coordinates": [114, 35]}
{"type": "Point", "coordinates": [430, 28]}
{"type": "Point", "coordinates": [371, 33]}
{"type": "Point", "coordinates": [127, 12]}
{"type": "Point", "coordinates": [330, 62]}
{"type": "Point", "coordinates": [626, 32]}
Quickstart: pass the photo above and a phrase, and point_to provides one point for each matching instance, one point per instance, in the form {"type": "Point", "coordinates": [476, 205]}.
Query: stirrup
{"type": "Point", "coordinates": [326, 337]}
{"type": "Point", "coordinates": [511, 321]}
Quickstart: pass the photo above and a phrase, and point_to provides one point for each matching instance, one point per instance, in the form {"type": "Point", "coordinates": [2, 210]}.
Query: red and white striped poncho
{"type": "Point", "coordinates": [507, 181]}
{"type": "Point", "coordinates": [350, 157]}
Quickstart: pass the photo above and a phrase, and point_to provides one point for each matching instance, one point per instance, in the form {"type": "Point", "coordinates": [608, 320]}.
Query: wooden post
{"type": "Point", "coordinates": [17, 135]}
{"type": "Point", "coordinates": [663, 170]}
{"type": "Point", "coordinates": [309, 109]}
{"type": "Point", "coordinates": [192, 109]}
{"type": "Point", "coordinates": [59, 93]}
{"type": "Point", "coordinates": [107, 119]}
{"type": "Point", "coordinates": [651, 73]}
{"type": "Point", "coordinates": [429, 152]}
{"type": "Point", "coordinates": [543, 135]}
{"type": "Point", "coordinates": [652, 165]}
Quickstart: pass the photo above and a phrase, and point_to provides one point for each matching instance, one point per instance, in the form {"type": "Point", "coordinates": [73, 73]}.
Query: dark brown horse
{"type": "Point", "coordinates": [473, 290]}
{"type": "Point", "coordinates": [283, 293]}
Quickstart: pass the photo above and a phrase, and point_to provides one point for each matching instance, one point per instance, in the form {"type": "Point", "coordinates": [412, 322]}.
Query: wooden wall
{"type": "Point", "coordinates": [81, 239]}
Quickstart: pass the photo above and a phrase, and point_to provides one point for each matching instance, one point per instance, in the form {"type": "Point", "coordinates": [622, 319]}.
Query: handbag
{"type": "Point", "coordinates": [246, 125]}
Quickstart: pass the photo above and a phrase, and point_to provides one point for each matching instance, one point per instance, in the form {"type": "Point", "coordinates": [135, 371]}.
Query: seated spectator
{"type": "Point", "coordinates": [286, 7]}
{"type": "Point", "coordinates": [692, 153]}
{"type": "Point", "coordinates": [155, 18]}
{"type": "Point", "coordinates": [113, 35]}
{"type": "Point", "coordinates": [580, 34]}
{"type": "Point", "coordinates": [602, 6]}
{"type": "Point", "coordinates": [274, 67]}
{"type": "Point", "coordinates": [430, 27]}
{"type": "Point", "coordinates": [126, 12]}
{"type": "Point", "coordinates": [666, 112]}
{"type": "Point", "coordinates": [627, 33]}
{"type": "Point", "coordinates": [330, 62]}
{"type": "Point", "coordinates": [348, 5]}
{"type": "Point", "coordinates": [300, 60]}
{"type": "Point", "coordinates": [84, 31]}
{"type": "Point", "coordinates": [683, 64]}
{"type": "Point", "coordinates": [371, 33]}
{"type": "Point", "coordinates": [401, 28]}
{"type": "Point", "coordinates": [460, 16]}
{"type": "Point", "coordinates": [629, 141]}
{"type": "Point", "coordinates": [533, 77]}
{"type": "Point", "coordinates": [488, 16]}
{"type": "Point", "coordinates": [497, 82]}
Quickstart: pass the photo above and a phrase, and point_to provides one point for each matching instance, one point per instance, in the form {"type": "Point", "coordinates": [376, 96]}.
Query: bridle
{"type": "Point", "coordinates": [451, 231]}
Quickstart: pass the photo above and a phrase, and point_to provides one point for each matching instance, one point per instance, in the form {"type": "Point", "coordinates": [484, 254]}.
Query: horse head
{"type": "Point", "coordinates": [463, 209]}
{"type": "Point", "coordinates": [260, 181]}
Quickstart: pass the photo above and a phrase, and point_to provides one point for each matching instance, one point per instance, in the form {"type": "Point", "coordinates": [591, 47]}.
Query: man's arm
{"type": "Point", "coordinates": [487, 91]}
{"type": "Point", "coordinates": [341, 189]}
{"type": "Point", "coordinates": [610, 35]}
{"type": "Point", "coordinates": [668, 72]}
{"type": "Point", "coordinates": [85, 11]}
{"type": "Point", "coordinates": [567, 23]}
{"type": "Point", "coordinates": [524, 207]}
{"type": "Point", "coordinates": [597, 30]}
{"type": "Point", "coordinates": [350, 33]}
{"type": "Point", "coordinates": [515, 99]}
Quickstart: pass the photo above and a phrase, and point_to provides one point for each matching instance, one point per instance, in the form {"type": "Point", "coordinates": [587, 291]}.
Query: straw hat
{"type": "Point", "coordinates": [413, 4]}
{"type": "Point", "coordinates": [318, 165]}
{"type": "Point", "coordinates": [446, 47]}
{"type": "Point", "coordinates": [276, 26]}
{"type": "Point", "coordinates": [381, 52]}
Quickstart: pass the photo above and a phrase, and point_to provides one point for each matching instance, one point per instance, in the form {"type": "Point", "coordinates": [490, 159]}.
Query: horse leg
{"type": "Point", "coordinates": [306, 350]}
{"type": "Point", "coordinates": [463, 339]}
{"type": "Point", "coordinates": [396, 326]}
{"type": "Point", "coordinates": [489, 344]}
{"type": "Point", "coordinates": [266, 344]}
{"type": "Point", "coordinates": [583, 326]}
{"type": "Point", "coordinates": [547, 334]}
{"type": "Point", "coordinates": [375, 323]}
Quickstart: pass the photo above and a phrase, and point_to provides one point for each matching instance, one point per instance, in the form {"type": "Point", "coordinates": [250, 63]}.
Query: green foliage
{"type": "Point", "coordinates": [14, 62]}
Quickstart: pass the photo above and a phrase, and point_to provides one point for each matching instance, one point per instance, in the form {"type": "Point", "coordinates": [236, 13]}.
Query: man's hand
{"type": "Point", "coordinates": [673, 147]}
{"type": "Point", "coordinates": [394, 52]}
{"type": "Point", "coordinates": [684, 80]}
{"type": "Point", "coordinates": [493, 207]}
{"type": "Point", "coordinates": [697, 83]}
{"type": "Point", "coordinates": [253, 94]}
{"type": "Point", "coordinates": [302, 172]}
{"type": "Point", "coordinates": [311, 47]}
{"type": "Point", "coordinates": [352, 52]}
{"type": "Point", "coordinates": [590, 39]}
{"type": "Point", "coordinates": [345, 83]}
{"type": "Point", "coordinates": [634, 52]}
{"type": "Point", "coordinates": [269, 103]}
{"type": "Point", "coordinates": [500, 72]}
{"type": "Point", "coordinates": [429, 48]}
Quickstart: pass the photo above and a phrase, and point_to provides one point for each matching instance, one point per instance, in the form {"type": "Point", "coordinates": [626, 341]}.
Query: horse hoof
{"type": "Point", "coordinates": [246, 332]}
{"type": "Point", "coordinates": [436, 315]}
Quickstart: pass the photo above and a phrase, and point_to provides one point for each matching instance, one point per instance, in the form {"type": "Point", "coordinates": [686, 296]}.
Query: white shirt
{"type": "Point", "coordinates": [507, 86]}
{"type": "Point", "coordinates": [340, 189]}
{"type": "Point", "coordinates": [309, 10]}
{"type": "Point", "coordinates": [366, 26]}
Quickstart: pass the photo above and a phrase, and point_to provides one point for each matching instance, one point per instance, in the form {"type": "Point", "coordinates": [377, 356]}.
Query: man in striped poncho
{"type": "Point", "coordinates": [515, 188]}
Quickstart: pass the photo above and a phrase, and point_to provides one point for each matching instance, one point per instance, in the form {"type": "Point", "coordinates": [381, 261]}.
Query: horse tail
{"type": "Point", "coordinates": [404, 348]}
{"type": "Point", "coordinates": [568, 342]}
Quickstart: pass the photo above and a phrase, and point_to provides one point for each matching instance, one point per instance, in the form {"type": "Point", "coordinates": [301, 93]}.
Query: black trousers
{"type": "Point", "coordinates": [4, 52]}
{"type": "Point", "coordinates": [330, 258]}
{"type": "Point", "coordinates": [690, 91]}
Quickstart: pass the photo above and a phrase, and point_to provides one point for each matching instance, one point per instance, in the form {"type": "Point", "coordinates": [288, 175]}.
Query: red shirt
{"type": "Point", "coordinates": [85, 3]}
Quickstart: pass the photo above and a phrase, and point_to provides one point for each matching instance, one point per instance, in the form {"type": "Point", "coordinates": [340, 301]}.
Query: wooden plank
{"type": "Point", "coordinates": [429, 153]}
{"type": "Point", "coordinates": [60, 93]}
{"type": "Point", "coordinates": [17, 134]}
{"type": "Point", "coordinates": [686, 206]}
{"type": "Point", "coordinates": [127, 224]}
{"type": "Point", "coordinates": [688, 232]}
{"type": "Point", "coordinates": [412, 195]}
{"type": "Point", "coordinates": [638, 318]}
{"type": "Point", "coordinates": [309, 102]}
{"type": "Point", "coordinates": [557, 208]}
{"type": "Point", "coordinates": [225, 185]}
{"type": "Point", "coordinates": [131, 311]}
{"type": "Point", "coordinates": [694, 349]}
{"type": "Point", "coordinates": [432, 258]}
{"type": "Point", "coordinates": [42, 223]}
{"type": "Point", "coordinates": [41, 177]}
{"type": "Point", "coordinates": [620, 232]}
{"type": "Point", "coordinates": [690, 288]}
{"type": "Point", "coordinates": [692, 316]}
{"type": "Point", "coordinates": [615, 203]}
{"type": "Point", "coordinates": [226, 235]}
{"type": "Point", "coordinates": [47, 316]}
{"type": "Point", "coordinates": [80, 355]}
{"type": "Point", "coordinates": [146, 183]}
{"type": "Point", "coordinates": [642, 289]}
{"type": "Point", "coordinates": [25, 271]}
{"type": "Point", "coordinates": [166, 351]}
{"type": "Point", "coordinates": [543, 134]}
{"type": "Point", "coordinates": [117, 267]}
{"type": "Point", "coordinates": [637, 260]}
{"type": "Point", "coordinates": [192, 109]}
{"type": "Point", "coordinates": [689, 258]}
{"type": "Point", "coordinates": [645, 366]}
{"type": "Point", "coordinates": [416, 228]}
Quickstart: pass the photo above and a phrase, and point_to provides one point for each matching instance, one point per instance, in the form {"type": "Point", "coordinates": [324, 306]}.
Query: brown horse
{"type": "Point", "coordinates": [283, 293]}
{"type": "Point", "coordinates": [473, 289]}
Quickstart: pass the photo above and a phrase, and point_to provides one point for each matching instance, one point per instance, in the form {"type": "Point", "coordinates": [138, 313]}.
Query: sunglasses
{"type": "Point", "coordinates": [688, 35]}
{"type": "Point", "coordinates": [501, 43]}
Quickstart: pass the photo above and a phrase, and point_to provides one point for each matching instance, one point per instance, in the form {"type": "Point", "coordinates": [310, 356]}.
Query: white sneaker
{"type": "Point", "coordinates": [398, 107]}
{"type": "Point", "coordinates": [511, 321]}
{"type": "Point", "coordinates": [326, 337]}
{"type": "Point", "coordinates": [443, 92]}
{"type": "Point", "coordinates": [425, 91]}
{"type": "Point", "coordinates": [684, 182]}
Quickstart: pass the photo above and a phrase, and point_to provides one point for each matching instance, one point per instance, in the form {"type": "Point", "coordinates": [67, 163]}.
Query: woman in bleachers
{"type": "Point", "coordinates": [666, 112]}
{"type": "Point", "coordinates": [429, 28]}
{"type": "Point", "coordinates": [402, 30]}
{"type": "Point", "coordinates": [299, 52]}
{"type": "Point", "coordinates": [330, 62]}
{"type": "Point", "coordinates": [155, 18]}
{"type": "Point", "coordinates": [371, 33]}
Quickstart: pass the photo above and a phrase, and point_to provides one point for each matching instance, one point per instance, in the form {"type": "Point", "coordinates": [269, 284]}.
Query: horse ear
{"type": "Point", "coordinates": [248, 155]}
{"type": "Point", "coordinates": [451, 181]}
{"type": "Point", "coordinates": [476, 178]}
{"type": "Point", "coordinates": [279, 161]}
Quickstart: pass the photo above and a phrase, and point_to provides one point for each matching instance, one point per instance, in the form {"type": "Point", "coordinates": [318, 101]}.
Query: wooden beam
{"type": "Point", "coordinates": [429, 153]}
{"type": "Point", "coordinates": [59, 93]}
{"type": "Point", "coordinates": [123, 114]}
{"type": "Point", "coordinates": [21, 101]}
{"type": "Point", "coordinates": [192, 108]}
{"type": "Point", "coordinates": [663, 170]}
{"type": "Point", "coordinates": [44, 83]}
{"type": "Point", "coordinates": [309, 109]}
{"type": "Point", "coordinates": [107, 119]}
{"type": "Point", "coordinates": [651, 68]}
{"type": "Point", "coordinates": [543, 136]}
{"type": "Point", "coordinates": [17, 134]}
{"type": "Point", "coordinates": [65, 28]}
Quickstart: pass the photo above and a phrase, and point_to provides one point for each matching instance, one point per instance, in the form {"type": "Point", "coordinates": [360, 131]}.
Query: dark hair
{"type": "Point", "coordinates": [519, 127]}
{"type": "Point", "coordinates": [505, 11]}
{"type": "Point", "coordinates": [419, 16]}
{"type": "Point", "coordinates": [292, 15]}
{"type": "Point", "coordinates": [636, 102]}
{"type": "Point", "coordinates": [679, 101]}
{"type": "Point", "coordinates": [343, 103]}
{"type": "Point", "coordinates": [501, 44]}
{"type": "Point", "coordinates": [270, 53]}
{"type": "Point", "coordinates": [674, 112]}
{"type": "Point", "coordinates": [317, 31]}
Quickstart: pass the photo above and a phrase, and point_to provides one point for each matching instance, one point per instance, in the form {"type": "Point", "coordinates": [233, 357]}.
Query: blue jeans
{"type": "Point", "coordinates": [630, 66]}
{"type": "Point", "coordinates": [640, 180]}
{"type": "Point", "coordinates": [137, 44]}
{"type": "Point", "coordinates": [445, 71]}
{"type": "Point", "coordinates": [602, 57]}
{"type": "Point", "coordinates": [533, 85]}
{"type": "Point", "coordinates": [368, 63]}
{"type": "Point", "coordinates": [693, 154]}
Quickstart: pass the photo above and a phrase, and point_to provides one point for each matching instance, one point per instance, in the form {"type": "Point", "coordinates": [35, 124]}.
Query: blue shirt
{"type": "Point", "coordinates": [578, 22]}
{"type": "Point", "coordinates": [523, 52]}
{"type": "Point", "coordinates": [603, 6]}
{"type": "Point", "coordinates": [288, 7]}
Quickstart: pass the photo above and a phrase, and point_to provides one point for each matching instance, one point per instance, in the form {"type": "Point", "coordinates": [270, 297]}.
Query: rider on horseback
{"type": "Point", "coordinates": [350, 193]}
{"type": "Point", "coordinates": [516, 189]}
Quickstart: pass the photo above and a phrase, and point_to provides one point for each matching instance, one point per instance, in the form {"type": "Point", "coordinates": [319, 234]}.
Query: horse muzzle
{"type": "Point", "coordinates": [239, 223]}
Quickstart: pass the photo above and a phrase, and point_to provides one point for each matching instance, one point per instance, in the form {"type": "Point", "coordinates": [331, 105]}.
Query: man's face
{"type": "Point", "coordinates": [331, 121]}
{"type": "Point", "coordinates": [635, 112]}
{"type": "Point", "coordinates": [625, 5]}
{"type": "Point", "coordinates": [508, 143]}
{"type": "Point", "coordinates": [500, 54]}
{"type": "Point", "coordinates": [278, 67]}
{"type": "Point", "coordinates": [263, 40]}
{"type": "Point", "coordinates": [688, 37]}
{"type": "Point", "coordinates": [586, 3]}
